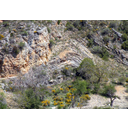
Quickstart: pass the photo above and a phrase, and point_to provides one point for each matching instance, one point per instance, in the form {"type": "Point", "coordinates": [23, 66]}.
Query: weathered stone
{"type": "Point", "coordinates": [29, 56]}
{"type": "Point", "coordinates": [117, 33]}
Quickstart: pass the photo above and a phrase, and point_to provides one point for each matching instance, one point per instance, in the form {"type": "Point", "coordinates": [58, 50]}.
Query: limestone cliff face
{"type": "Point", "coordinates": [35, 52]}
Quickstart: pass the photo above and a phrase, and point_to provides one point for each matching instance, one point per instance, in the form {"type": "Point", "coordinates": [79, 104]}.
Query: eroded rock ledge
{"type": "Point", "coordinates": [35, 52]}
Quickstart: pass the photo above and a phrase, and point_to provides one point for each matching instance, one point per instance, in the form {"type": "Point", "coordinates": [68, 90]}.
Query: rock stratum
{"type": "Point", "coordinates": [35, 52]}
{"type": "Point", "coordinates": [70, 45]}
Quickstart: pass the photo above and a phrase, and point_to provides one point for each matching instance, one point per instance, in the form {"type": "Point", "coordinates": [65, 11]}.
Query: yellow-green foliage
{"type": "Point", "coordinates": [55, 103]}
{"type": "Point", "coordinates": [127, 80]}
{"type": "Point", "coordinates": [61, 104]}
{"type": "Point", "coordinates": [69, 95]}
{"type": "Point", "coordinates": [66, 68]}
{"type": "Point", "coordinates": [14, 30]}
{"type": "Point", "coordinates": [58, 98]}
{"type": "Point", "coordinates": [53, 91]}
{"type": "Point", "coordinates": [73, 89]}
{"type": "Point", "coordinates": [68, 101]}
{"type": "Point", "coordinates": [45, 103]}
{"type": "Point", "coordinates": [1, 36]}
{"type": "Point", "coordinates": [67, 89]}
{"type": "Point", "coordinates": [61, 89]}
{"type": "Point", "coordinates": [85, 97]}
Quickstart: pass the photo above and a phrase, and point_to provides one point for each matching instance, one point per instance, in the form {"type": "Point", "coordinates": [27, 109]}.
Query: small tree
{"type": "Point", "coordinates": [80, 88]}
{"type": "Point", "coordinates": [58, 22]}
{"type": "Point", "coordinates": [100, 72]}
{"type": "Point", "coordinates": [109, 91]}
{"type": "Point", "coordinates": [3, 104]}
{"type": "Point", "coordinates": [85, 70]}
{"type": "Point", "coordinates": [51, 43]}
{"type": "Point", "coordinates": [106, 39]}
{"type": "Point", "coordinates": [21, 45]}
{"type": "Point", "coordinates": [90, 43]}
{"type": "Point", "coordinates": [105, 31]}
{"type": "Point", "coordinates": [125, 45]}
{"type": "Point", "coordinates": [112, 24]}
{"type": "Point", "coordinates": [29, 100]}
{"type": "Point", "coordinates": [104, 54]}
{"type": "Point", "coordinates": [15, 50]}
{"type": "Point", "coordinates": [124, 37]}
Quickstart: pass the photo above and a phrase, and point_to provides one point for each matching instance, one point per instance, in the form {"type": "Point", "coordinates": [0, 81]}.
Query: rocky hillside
{"type": "Point", "coordinates": [24, 44]}
{"type": "Point", "coordinates": [22, 47]}
{"type": "Point", "coordinates": [47, 53]}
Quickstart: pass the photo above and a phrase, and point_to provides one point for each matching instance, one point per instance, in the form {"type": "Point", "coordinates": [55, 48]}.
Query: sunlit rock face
{"type": "Point", "coordinates": [35, 52]}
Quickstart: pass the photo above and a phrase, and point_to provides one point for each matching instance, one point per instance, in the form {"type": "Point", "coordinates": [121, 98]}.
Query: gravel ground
{"type": "Point", "coordinates": [100, 101]}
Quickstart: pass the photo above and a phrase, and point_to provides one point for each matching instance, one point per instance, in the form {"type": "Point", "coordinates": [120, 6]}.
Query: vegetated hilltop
{"type": "Point", "coordinates": [55, 61]}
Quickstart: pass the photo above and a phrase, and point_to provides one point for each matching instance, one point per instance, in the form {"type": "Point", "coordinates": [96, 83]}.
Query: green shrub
{"type": "Point", "coordinates": [102, 107]}
{"type": "Point", "coordinates": [66, 71]}
{"type": "Point", "coordinates": [51, 43]}
{"type": "Point", "coordinates": [5, 49]}
{"type": "Point", "coordinates": [3, 81]}
{"type": "Point", "coordinates": [125, 45]}
{"type": "Point", "coordinates": [2, 100]}
{"type": "Point", "coordinates": [105, 31]}
{"type": "Point", "coordinates": [112, 24]}
{"type": "Point", "coordinates": [121, 80]}
{"type": "Point", "coordinates": [106, 39]}
{"type": "Point", "coordinates": [90, 43]}
{"type": "Point", "coordinates": [24, 33]}
{"type": "Point", "coordinates": [127, 80]}
{"type": "Point", "coordinates": [69, 26]}
{"type": "Point", "coordinates": [58, 22]}
{"type": "Point", "coordinates": [124, 26]}
{"type": "Point", "coordinates": [102, 23]}
{"type": "Point", "coordinates": [89, 35]}
{"type": "Point", "coordinates": [79, 24]}
{"type": "Point", "coordinates": [96, 88]}
{"type": "Point", "coordinates": [108, 91]}
{"type": "Point", "coordinates": [49, 30]}
{"type": "Point", "coordinates": [76, 23]}
{"type": "Point", "coordinates": [11, 34]}
{"type": "Point", "coordinates": [80, 86]}
{"type": "Point", "coordinates": [102, 52]}
{"type": "Point", "coordinates": [29, 100]}
{"type": "Point", "coordinates": [49, 21]}
{"type": "Point", "coordinates": [43, 73]}
{"type": "Point", "coordinates": [112, 56]}
{"type": "Point", "coordinates": [10, 82]}
{"type": "Point", "coordinates": [21, 45]}
{"type": "Point", "coordinates": [96, 49]}
{"type": "Point", "coordinates": [55, 72]}
{"type": "Point", "coordinates": [124, 37]}
{"type": "Point", "coordinates": [6, 23]}
{"type": "Point", "coordinates": [16, 50]}
{"type": "Point", "coordinates": [114, 46]}
{"type": "Point", "coordinates": [85, 69]}
{"type": "Point", "coordinates": [83, 22]}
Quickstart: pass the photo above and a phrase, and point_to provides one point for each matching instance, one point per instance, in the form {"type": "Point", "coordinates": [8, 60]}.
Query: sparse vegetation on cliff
{"type": "Point", "coordinates": [63, 64]}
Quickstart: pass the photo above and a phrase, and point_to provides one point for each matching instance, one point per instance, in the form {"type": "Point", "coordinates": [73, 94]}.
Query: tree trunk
{"type": "Point", "coordinates": [111, 104]}
{"type": "Point", "coordinates": [112, 100]}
